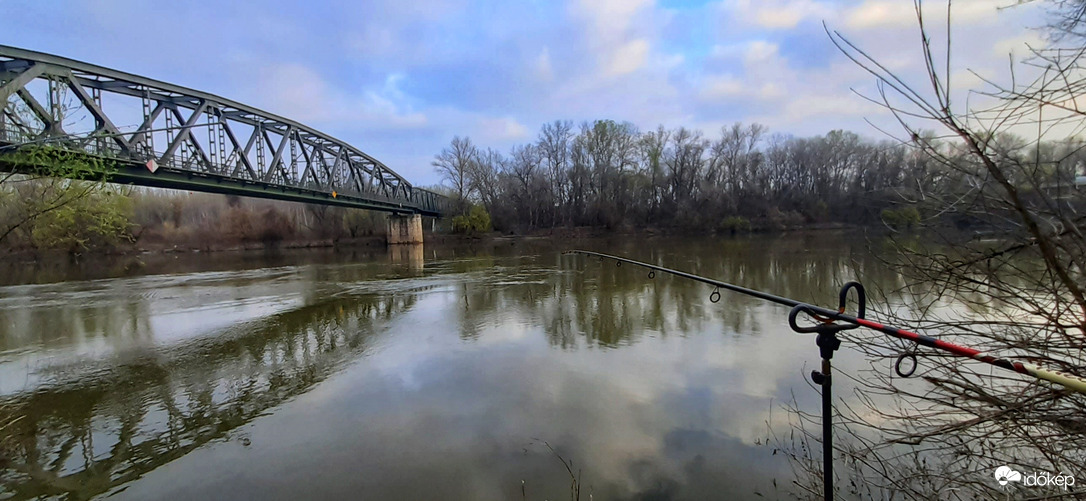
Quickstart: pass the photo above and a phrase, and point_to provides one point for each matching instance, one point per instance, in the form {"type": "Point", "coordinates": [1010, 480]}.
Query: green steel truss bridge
{"type": "Point", "coordinates": [162, 135]}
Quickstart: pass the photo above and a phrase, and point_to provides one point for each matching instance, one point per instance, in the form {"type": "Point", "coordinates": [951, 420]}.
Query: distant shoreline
{"type": "Point", "coordinates": [375, 242]}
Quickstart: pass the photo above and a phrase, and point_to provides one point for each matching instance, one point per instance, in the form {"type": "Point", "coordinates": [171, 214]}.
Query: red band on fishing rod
{"type": "Point", "coordinates": [931, 342]}
{"type": "Point", "coordinates": [1071, 381]}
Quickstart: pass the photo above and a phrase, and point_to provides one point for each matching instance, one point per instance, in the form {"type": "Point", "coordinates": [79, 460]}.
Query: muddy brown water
{"type": "Point", "coordinates": [455, 373]}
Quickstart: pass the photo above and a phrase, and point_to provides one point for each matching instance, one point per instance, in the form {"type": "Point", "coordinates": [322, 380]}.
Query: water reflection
{"type": "Point", "coordinates": [581, 299]}
{"type": "Point", "coordinates": [389, 379]}
{"type": "Point", "coordinates": [409, 254]}
{"type": "Point", "coordinates": [120, 421]}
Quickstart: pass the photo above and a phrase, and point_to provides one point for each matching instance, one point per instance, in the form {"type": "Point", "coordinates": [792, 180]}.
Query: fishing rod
{"type": "Point", "coordinates": [829, 322]}
{"type": "Point", "coordinates": [1070, 381]}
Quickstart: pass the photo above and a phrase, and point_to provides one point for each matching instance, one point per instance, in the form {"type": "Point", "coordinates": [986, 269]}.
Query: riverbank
{"type": "Point", "coordinates": [159, 245]}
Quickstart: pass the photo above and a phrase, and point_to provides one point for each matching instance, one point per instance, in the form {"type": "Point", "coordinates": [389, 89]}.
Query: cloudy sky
{"type": "Point", "coordinates": [399, 78]}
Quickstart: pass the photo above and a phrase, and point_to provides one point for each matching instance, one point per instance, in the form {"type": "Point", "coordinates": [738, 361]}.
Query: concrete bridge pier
{"type": "Point", "coordinates": [404, 229]}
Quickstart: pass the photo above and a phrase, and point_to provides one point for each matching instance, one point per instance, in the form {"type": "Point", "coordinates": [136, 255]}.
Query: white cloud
{"type": "Point", "coordinates": [874, 13]}
{"type": "Point", "coordinates": [784, 81]}
{"type": "Point", "coordinates": [298, 92]}
{"type": "Point", "coordinates": [295, 91]}
{"type": "Point", "coordinates": [620, 33]}
{"type": "Point", "coordinates": [727, 87]}
{"type": "Point", "coordinates": [610, 19]}
{"type": "Point", "coordinates": [836, 105]}
{"type": "Point", "coordinates": [501, 129]}
{"type": "Point", "coordinates": [778, 14]}
{"type": "Point", "coordinates": [764, 77]}
{"type": "Point", "coordinates": [628, 58]}
{"type": "Point", "coordinates": [1018, 46]}
{"type": "Point", "coordinates": [879, 13]}
{"type": "Point", "coordinates": [721, 51]}
{"type": "Point", "coordinates": [787, 14]}
{"type": "Point", "coordinates": [543, 69]}
{"type": "Point", "coordinates": [722, 87]}
{"type": "Point", "coordinates": [760, 50]}
{"type": "Point", "coordinates": [771, 90]}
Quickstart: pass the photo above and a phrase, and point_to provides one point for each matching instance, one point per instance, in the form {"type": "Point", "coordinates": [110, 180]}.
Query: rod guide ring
{"type": "Point", "coordinates": [909, 355]}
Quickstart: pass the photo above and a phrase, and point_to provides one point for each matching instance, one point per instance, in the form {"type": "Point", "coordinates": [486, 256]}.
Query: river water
{"type": "Point", "coordinates": [454, 373]}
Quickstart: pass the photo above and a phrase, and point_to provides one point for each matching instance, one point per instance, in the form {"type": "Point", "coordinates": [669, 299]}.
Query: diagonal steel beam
{"type": "Point", "coordinates": [51, 125]}
{"type": "Point", "coordinates": [308, 164]}
{"type": "Point", "coordinates": [242, 153]}
{"type": "Point", "coordinates": [277, 157]}
{"type": "Point", "coordinates": [185, 132]}
{"type": "Point", "coordinates": [322, 160]}
{"type": "Point", "coordinates": [20, 81]}
{"type": "Point", "coordinates": [18, 121]}
{"type": "Point", "coordinates": [329, 176]}
{"type": "Point", "coordinates": [337, 170]}
{"type": "Point", "coordinates": [103, 121]}
{"type": "Point", "coordinates": [354, 176]}
{"type": "Point", "coordinates": [140, 136]}
{"type": "Point", "coordinates": [384, 188]}
{"type": "Point", "coordinates": [188, 128]}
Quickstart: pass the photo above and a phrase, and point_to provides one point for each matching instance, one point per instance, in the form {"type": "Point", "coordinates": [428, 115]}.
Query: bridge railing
{"type": "Point", "coordinates": [430, 201]}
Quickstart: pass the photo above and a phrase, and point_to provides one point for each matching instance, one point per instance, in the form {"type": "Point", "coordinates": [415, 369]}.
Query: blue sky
{"type": "Point", "coordinates": [400, 78]}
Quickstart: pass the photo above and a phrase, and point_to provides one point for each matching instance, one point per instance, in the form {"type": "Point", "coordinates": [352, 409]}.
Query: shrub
{"type": "Point", "coordinates": [236, 224]}
{"type": "Point", "coordinates": [778, 220]}
{"type": "Point", "coordinates": [276, 227]}
{"type": "Point", "coordinates": [735, 224]}
{"type": "Point", "coordinates": [359, 222]}
{"type": "Point", "coordinates": [818, 212]}
{"type": "Point", "coordinates": [97, 220]}
{"type": "Point", "coordinates": [904, 218]}
{"type": "Point", "coordinates": [477, 220]}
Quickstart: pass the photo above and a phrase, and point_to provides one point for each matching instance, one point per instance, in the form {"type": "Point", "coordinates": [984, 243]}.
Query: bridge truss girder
{"type": "Point", "coordinates": [197, 141]}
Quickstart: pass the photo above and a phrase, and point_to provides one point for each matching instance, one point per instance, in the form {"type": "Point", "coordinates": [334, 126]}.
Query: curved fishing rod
{"type": "Point", "coordinates": [825, 315]}
{"type": "Point", "coordinates": [828, 343]}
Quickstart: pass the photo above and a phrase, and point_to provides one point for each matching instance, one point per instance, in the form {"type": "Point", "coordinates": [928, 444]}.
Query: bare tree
{"type": "Point", "coordinates": [454, 163]}
{"type": "Point", "coordinates": [525, 167]}
{"type": "Point", "coordinates": [1000, 169]}
{"type": "Point", "coordinates": [485, 178]}
{"type": "Point", "coordinates": [653, 148]}
{"type": "Point", "coordinates": [554, 147]}
{"type": "Point", "coordinates": [685, 166]}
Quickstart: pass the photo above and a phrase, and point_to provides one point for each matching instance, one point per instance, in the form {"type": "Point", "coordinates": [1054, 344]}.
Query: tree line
{"type": "Point", "coordinates": [610, 174]}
